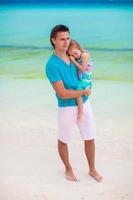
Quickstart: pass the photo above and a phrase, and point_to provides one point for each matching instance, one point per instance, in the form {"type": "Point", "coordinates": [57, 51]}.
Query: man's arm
{"type": "Point", "coordinates": [68, 94]}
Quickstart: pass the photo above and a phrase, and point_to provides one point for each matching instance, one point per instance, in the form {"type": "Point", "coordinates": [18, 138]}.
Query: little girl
{"type": "Point", "coordinates": [81, 59]}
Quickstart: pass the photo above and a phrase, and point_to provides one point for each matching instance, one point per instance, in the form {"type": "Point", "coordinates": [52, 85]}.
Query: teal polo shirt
{"type": "Point", "coordinates": [59, 70]}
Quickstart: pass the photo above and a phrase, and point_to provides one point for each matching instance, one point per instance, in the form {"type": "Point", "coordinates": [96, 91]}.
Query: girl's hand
{"type": "Point", "coordinates": [72, 58]}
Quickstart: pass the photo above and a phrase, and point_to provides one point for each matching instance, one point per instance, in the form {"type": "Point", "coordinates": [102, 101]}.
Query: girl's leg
{"type": "Point", "coordinates": [80, 108]}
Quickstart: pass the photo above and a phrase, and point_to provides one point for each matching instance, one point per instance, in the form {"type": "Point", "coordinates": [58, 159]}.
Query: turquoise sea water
{"type": "Point", "coordinates": [107, 31]}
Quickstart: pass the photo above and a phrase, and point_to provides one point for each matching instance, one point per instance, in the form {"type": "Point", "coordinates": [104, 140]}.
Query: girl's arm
{"type": "Point", "coordinates": [85, 58]}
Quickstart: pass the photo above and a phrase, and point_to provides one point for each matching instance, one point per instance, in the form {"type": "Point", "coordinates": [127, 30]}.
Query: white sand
{"type": "Point", "coordinates": [30, 167]}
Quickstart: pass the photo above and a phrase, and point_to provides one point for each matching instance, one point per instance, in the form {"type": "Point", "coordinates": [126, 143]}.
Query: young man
{"type": "Point", "coordinates": [62, 74]}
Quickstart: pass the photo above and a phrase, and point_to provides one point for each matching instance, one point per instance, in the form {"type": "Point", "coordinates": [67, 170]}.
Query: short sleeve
{"type": "Point", "coordinates": [53, 73]}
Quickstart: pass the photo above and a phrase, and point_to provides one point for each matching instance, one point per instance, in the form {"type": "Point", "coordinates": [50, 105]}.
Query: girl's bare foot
{"type": "Point", "coordinates": [70, 175]}
{"type": "Point", "coordinates": [95, 175]}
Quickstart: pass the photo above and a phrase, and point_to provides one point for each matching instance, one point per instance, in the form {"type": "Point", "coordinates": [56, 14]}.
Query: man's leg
{"type": "Point", "coordinates": [64, 155]}
{"type": "Point", "coordinates": [90, 155]}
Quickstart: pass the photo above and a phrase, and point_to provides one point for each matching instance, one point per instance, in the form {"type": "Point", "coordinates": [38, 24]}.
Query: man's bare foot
{"type": "Point", "coordinates": [95, 175]}
{"type": "Point", "coordinates": [70, 175]}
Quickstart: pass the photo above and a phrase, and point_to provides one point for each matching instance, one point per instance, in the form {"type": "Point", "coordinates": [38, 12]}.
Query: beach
{"type": "Point", "coordinates": [30, 166]}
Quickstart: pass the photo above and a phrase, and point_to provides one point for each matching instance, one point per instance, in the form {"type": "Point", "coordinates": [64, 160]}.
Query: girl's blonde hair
{"type": "Point", "coordinates": [73, 44]}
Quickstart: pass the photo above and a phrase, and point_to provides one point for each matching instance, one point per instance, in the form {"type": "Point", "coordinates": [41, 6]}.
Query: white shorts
{"type": "Point", "coordinates": [67, 118]}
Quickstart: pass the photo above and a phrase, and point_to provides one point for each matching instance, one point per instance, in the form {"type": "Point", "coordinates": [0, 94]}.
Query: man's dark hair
{"type": "Point", "coordinates": [55, 30]}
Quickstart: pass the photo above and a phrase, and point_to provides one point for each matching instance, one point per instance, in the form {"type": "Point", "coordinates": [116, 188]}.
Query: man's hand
{"type": "Point", "coordinates": [87, 91]}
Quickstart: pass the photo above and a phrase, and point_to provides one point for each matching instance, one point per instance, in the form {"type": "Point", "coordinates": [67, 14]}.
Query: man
{"type": "Point", "coordinates": [62, 74]}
